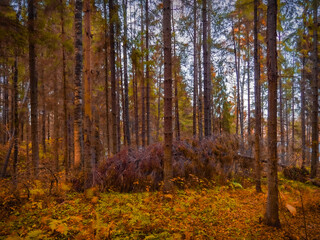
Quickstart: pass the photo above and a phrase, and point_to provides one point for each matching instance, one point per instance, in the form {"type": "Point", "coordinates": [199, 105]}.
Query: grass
{"type": "Point", "coordinates": [220, 212]}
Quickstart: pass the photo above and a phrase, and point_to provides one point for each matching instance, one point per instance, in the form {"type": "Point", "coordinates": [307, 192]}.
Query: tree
{"type": "Point", "coordinates": [167, 168]}
{"type": "Point", "coordinates": [315, 103]}
{"type": "Point", "coordinates": [206, 72]}
{"type": "Point", "coordinates": [33, 86]}
{"type": "Point", "coordinates": [112, 14]}
{"type": "Point", "coordinates": [195, 69]}
{"type": "Point", "coordinates": [257, 88]}
{"type": "Point", "coordinates": [126, 98]}
{"type": "Point", "coordinates": [78, 98]}
{"type": "Point", "coordinates": [272, 212]}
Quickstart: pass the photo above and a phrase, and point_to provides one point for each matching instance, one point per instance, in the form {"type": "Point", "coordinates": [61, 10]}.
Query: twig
{"type": "Point", "coordinates": [304, 215]}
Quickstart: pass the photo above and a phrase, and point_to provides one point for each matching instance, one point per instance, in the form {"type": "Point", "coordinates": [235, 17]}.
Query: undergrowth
{"type": "Point", "coordinates": [229, 211]}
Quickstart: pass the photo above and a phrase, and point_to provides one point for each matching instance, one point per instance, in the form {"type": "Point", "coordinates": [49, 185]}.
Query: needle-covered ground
{"type": "Point", "coordinates": [231, 211]}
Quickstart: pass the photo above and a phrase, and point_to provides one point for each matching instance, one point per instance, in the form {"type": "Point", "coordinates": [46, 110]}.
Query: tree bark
{"type": "Point", "coordinates": [206, 73]}
{"type": "Point", "coordinates": [272, 210]}
{"type": "Point", "coordinates": [78, 96]}
{"type": "Point", "coordinates": [147, 73]}
{"type": "Point", "coordinates": [257, 95]}
{"type": "Point", "coordinates": [315, 101]}
{"type": "Point", "coordinates": [126, 92]}
{"type": "Point", "coordinates": [167, 169]}
{"type": "Point", "coordinates": [195, 69]}
{"type": "Point", "coordinates": [112, 13]}
{"type": "Point", "coordinates": [33, 86]}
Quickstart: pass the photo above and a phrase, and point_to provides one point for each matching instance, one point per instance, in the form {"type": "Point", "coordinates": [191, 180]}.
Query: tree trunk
{"type": "Point", "coordinates": [257, 95]}
{"type": "Point", "coordinates": [248, 81]}
{"type": "Point", "coordinates": [56, 131]}
{"type": "Point", "coordinates": [112, 13]}
{"type": "Point", "coordinates": [167, 169]}
{"type": "Point", "coordinates": [142, 86]}
{"type": "Point", "coordinates": [78, 96]}
{"type": "Point", "coordinates": [303, 112]}
{"type": "Point", "coordinates": [195, 69]}
{"type": "Point", "coordinates": [272, 210]}
{"type": "Point", "coordinates": [33, 86]}
{"type": "Point", "coordinates": [282, 147]}
{"type": "Point", "coordinates": [65, 98]}
{"type": "Point", "coordinates": [16, 120]}
{"type": "Point", "coordinates": [147, 73]}
{"type": "Point", "coordinates": [206, 73]}
{"type": "Point", "coordinates": [175, 69]}
{"type": "Point", "coordinates": [106, 86]}
{"type": "Point", "coordinates": [315, 101]}
{"type": "Point", "coordinates": [126, 91]}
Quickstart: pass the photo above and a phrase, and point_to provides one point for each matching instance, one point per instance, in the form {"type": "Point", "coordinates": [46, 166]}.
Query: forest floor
{"type": "Point", "coordinates": [231, 211]}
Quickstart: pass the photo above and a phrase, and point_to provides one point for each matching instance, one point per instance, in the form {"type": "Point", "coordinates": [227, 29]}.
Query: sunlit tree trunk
{"type": "Point", "coordinates": [78, 96]}
{"type": "Point", "coordinates": [272, 210]}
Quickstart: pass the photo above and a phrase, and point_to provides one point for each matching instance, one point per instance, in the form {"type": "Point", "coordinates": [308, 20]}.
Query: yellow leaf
{"type": "Point", "coordinates": [291, 209]}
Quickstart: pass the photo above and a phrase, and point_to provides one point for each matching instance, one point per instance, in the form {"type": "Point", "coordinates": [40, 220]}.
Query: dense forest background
{"type": "Point", "coordinates": [129, 95]}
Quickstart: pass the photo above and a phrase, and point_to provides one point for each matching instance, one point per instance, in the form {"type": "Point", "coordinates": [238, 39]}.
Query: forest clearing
{"type": "Point", "coordinates": [150, 119]}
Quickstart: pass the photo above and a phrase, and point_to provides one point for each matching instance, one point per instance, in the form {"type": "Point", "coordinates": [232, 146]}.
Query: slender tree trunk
{"type": "Point", "coordinates": [206, 73]}
{"type": "Point", "coordinates": [143, 113]}
{"type": "Point", "coordinates": [272, 211]}
{"type": "Point", "coordinates": [126, 92]}
{"type": "Point", "coordinates": [175, 69]}
{"type": "Point", "coordinates": [159, 96]}
{"type": "Point", "coordinates": [118, 81]}
{"type": "Point", "coordinates": [248, 81]}
{"type": "Point", "coordinates": [56, 131]}
{"type": "Point", "coordinates": [33, 86]}
{"type": "Point", "coordinates": [147, 73]}
{"type": "Point", "coordinates": [65, 98]}
{"type": "Point", "coordinates": [168, 169]}
{"type": "Point", "coordinates": [112, 14]}
{"type": "Point", "coordinates": [16, 120]}
{"type": "Point", "coordinates": [292, 133]}
{"type": "Point", "coordinates": [200, 97]}
{"type": "Point", "coordinates": [315, 100]}
{"type": "Point", "coordinates": [43, 114]}
{"type": "Point", "coordinates": [88, 120]}
{"type": "Point", "coordinates": [136, 103]}
{"type": "Point", "coordinates": [257, 134]}
{"type": "Point", "coordinates": [106, 51]}
{"type": "Point", "coordinates": [195, 69]}
{"type": "Point", "coordinates": [282, 147]}
{"type": "Point", "coordinates": [303, 111]}
{"type": "Point", "coordinates": [78, 96]}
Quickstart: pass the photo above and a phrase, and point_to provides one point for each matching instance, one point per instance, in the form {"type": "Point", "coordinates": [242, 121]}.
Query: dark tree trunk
{"type": "Point", "coordinates": [257, 95]}
{"type": "Point", "coordinates": [15, 119]}
{"type": "Point", "coordinates": [147, 73]}
{"type": "Point", "coordinates": [167, 170]}
{"type": "Point", "coordinates": [272, 211]}
{"type": "Point", "coordinates": [175, 69]}
{"type": "Point", "coordinates": [56, 131]}
{"type": "Point", "coordinates": [33, 86]}
{"type": "Point", "coordinates": [315, 100]}
{"type": "Point", "coordinates": [126, 91]}
{"type": "Point", "coordinates": [65, 98]}
{"type": "Point", "coordinates": [112, 13]}
{"type": "Point", "coordinates": [206, 72]}
{"type": "Point", "coordinates": [106, 83]}
{"type": "Point", "coordinates": [195, 69]}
